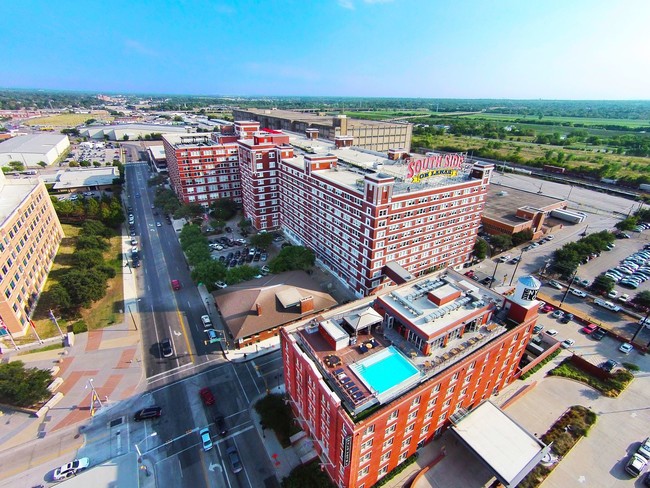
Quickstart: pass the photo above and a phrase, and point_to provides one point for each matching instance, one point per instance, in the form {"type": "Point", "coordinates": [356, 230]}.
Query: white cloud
{"type": "Point", "coordinates": [377, 1]}
{"type": "Point", "coordinates": [347, 4]}
{"type": "Point", "coordinates": [140, 48]}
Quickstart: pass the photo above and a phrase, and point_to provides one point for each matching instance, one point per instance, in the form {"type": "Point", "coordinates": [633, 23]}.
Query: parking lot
{"type": "Point", "coordinates": [100, 152]}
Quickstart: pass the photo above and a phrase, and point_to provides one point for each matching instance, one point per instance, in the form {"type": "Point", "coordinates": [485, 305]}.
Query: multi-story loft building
{"type": "Point", "coordinates": [366, 216]}
{"type": "Point", "coordinates": [30, 234]}
{"type": "Point", "coordinates": [367, 134]}
{"type": "Point", "coordinates": [202, 170]}
{"type": "Point", "coordinates": [260, 154]}
{"type": "Point", "coordinates": [374, 380]}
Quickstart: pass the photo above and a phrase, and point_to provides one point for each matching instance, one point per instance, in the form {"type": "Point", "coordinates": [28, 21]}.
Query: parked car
{"type": "Point", "coordinates": [624, 297]}
{"type": "Point", "coordinates": [176, 285]}
{"type": "Point", "coordinates": [537, 329]}
{"type": "Point", "coordinates": [589, 328]}
{"type": "Point", "coordinates": [626, 347]}
{"type": "Point", "coordinates": [207, 396]}
{"type": "Point", "coordinates": [567, 343]}
{"type": "Point", "coordinates": [147, 413]}
{"type": "Point", "coordinates": [235, 461]}
{"type": "Point", "coordinates": [578, 293]}
{"type": "Point", "coordinates": [547, 308]}
{"type": "Point", "coordinates": [71, 469]}
{"type": "Point", "coordinates": [557, 314]}
{"type": "Point", "coordinates": [505, 258]}
{"type": "Point", "coordinates": [609, 365]}
{"type": "Point", "coordinates": [551, 332]}
{"type": "Point", "coordinates": [598, 334]}
{"type": "Point", "coordinates": [555, 284]}
{"type": "Point", "coordinates": [213, 336]}
{"type": "Point", "coordinates": [644, 449]}
{"type": "Point", "coordinates": [612, 294]}
{"type": "Point", "coordinates": [205, 320]}
{"type": "Point", "coordinates": [568, 317]}
{"type": "Point", "coordinates": [636, 464]}
{"type": "Point", "coordinates": [206, 440]}
{"type": "Point", "coordinates": [221, 285]}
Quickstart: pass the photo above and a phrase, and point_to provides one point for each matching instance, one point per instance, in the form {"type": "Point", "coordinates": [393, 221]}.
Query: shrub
{"type": "Point", "coordinates": [407, 462]}
{"type": "Point", "coordinates": [307, 475]}
{"type": "Point", "coordinates": [611, 387]}
{"type": "Point", "coordinates": [539, 366]}
{"type": "Point", "coordinates": [79, 327]}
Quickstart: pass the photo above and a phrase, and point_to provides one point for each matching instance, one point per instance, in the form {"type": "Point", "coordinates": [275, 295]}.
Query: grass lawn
{"type": "Point", "coordinates": [611, 388]}
{"type": "Point", "coordinates": [102, 313]}
{"type": "Point", "coordinates": [68, 120]}
{"type": "Point", "coordinates": [387, 114]}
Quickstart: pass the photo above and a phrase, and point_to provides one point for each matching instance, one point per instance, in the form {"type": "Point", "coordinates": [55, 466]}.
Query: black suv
{"type": "Point", "coordinates": [598, 334]}
{"type": "Point", "coordinates": [147, 413]}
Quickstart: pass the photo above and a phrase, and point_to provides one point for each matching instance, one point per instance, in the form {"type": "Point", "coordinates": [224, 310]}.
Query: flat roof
{"type": "Point", "coordinates": [193, 139]}
{"type": "Point", "coordinates": [32, 143]}
{"type": "Point", "coordinates": [507, 448]}
{"type": "Point", "coordinates": [12, 193]}
{"type": "Point", "coordinates": [82, 177]}
{"type": "Point", "coordinates": [502, 203]}
{"type": "Point", "coordinates": [312, 118]}
{"type": "Point", "coordinates": [121, 471]}
{"type": "Point", "coordinates": [356, 163]}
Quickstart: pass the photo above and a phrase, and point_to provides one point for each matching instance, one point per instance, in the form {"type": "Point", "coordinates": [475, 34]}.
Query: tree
{"type": "Point", "coordinates": [42, 164]}
{"type": "Point", "coordinates": [521, 237]}
{"type": "Point", "coordinates": [58, 296]}
{"type": "Point", "coordinates": [23, 387]}
{"type": "Point", "coordinates": [178, 118]}
{"type": "Point", "coordinates": [209, 272]}
{"type": "Point", "coordinates": [603, 284]}
{"type": "Point", "coordinates": [292, 258]}
{"type": "Point", "coordinates": [83, 286]}
{"type": "Point", "coordinates": [642, 299]}
{"type": "Point", "coordinates": [125, 137]}
{"type": "Point", "coordinates": [629, 223]}
{"type": "Point", "coordinates": [480, 249]}
{"type": "Point", "coordinates": [501, 241]}
{"type": "Point", "coordinates": [262, 240]}
{"type": "Point", "coordinates": [16, 166]}
{"type": "Point", "coordinates": [92, 242]}
{"type": "Point", "coordinates": [90, 121]}
{"type": "Point", "coordinates": [88, 258]}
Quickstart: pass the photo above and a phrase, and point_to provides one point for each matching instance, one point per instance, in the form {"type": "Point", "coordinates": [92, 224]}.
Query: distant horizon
{"type": "Point", "coordinates": [414, 49]}
{"type": "Point", "coordinates": [379, 97]}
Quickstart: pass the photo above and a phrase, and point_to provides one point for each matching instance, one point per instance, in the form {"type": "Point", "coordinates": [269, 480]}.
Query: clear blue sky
{"type": "Point", "coordinates": [553, 49]}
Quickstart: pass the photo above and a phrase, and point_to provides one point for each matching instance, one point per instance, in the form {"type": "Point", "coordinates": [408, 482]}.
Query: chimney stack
{"type": "Point", "coordinates": [306, 304]}
{"type": "Point", "coordinates": [259, 309]}
{"type": "Point", "coordinates": [343, 141]}
{"type": "Point", "coordinates": [312, 134]}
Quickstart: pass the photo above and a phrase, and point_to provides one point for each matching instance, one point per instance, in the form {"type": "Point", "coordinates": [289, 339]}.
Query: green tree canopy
{"type": "Point", "coordinates": [480, 249]}
{"type": "Point", "coordinates": [603, 284]}
{"type": "Point", "coordinates": [642, 299]}
{"type": "Point", "coordinates": [21, 386]}
{"type": "Point", "coordinates": [501, 241]}
{"type": "Point", "coordinates": [262, 240]}
{"type": "Point", "coordinates": [292, 258]}
{"type": "Point", "coordinates": [83, 286]}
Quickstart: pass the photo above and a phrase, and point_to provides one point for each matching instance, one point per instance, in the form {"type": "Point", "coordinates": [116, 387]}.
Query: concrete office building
{"type": "Point", "coordinates": [34, 148]}
{"type": "Point", "coordinates": [373, 381]}
{"type": "Point", "coordinates": [30, 234]}
{"type": "Point", "coordinates": [202, 170]}
{"type": "Point", "coordinates": [117, 132]}
{"type": "Point", "coordinates": [366, 134]}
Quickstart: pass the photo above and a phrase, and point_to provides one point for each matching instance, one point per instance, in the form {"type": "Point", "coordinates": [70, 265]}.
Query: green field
{"type": "Point", "coordinates": [532, 119]}
{"type": "Point", "coordinates": [387, 114]}
{"type": "Point", "coordinates": [68, 120]}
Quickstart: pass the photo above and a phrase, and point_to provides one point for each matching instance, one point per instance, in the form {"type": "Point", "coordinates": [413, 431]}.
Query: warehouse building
{"type": "Point", "coordinates": [118, 132]}
{"type": "Point", "coordinates": [33, 149]}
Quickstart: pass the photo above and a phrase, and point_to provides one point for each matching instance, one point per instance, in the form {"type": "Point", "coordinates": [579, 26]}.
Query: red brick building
{"type": "Point", "coordinates": [202, 170]}
{"type": "Point", "coordinates": [260, 153]}
{"type": "Point", "coordinates": [375, 380]}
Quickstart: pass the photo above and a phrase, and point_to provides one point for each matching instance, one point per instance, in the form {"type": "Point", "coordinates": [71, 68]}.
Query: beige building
{"type": "Point", "coordinates": [366, 134]}
{"type": "Point", "coordinates": [30, 234]}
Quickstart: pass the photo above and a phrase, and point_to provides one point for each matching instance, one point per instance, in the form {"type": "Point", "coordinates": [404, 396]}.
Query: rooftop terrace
{"type": "Point", "coordinates": [343, 350]}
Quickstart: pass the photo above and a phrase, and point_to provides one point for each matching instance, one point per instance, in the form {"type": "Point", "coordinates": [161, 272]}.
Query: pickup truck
{"type": "Point", "coordinates": [606, 304]}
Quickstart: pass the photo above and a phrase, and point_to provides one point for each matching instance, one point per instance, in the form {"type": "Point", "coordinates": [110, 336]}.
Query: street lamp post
{"type": "Point", "coordinates": [516, 266]}
{"type": "Point", "coordinates": [569, 286]}
{"type": "Point", "coordinates": [137, 449]}
{"type": "Point", "coordinates": [493, 275]}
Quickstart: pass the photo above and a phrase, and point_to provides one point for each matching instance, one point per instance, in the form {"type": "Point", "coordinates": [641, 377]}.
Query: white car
{"type": "Point", "coordinates": [626, 347]}
{"type": "Point", "coordinates": [578, 293]}
{"type": "Point", "coordinates": [207, 323]}
{"type": "Point", "coordinates": [612, 294]}
{"type": "Point", "coordinates": [206, 440]}
{"type": "Point", "coordinates": [644, 449]}
{"type": "Point", "coordinates": [555, 284]}
{"type": "Point", "coordinates": [71, 469]}
{"type": "Point", "coordinates": [221, 285]}
{"type": "Point", "coordinates": [567, 343]}
{"type": "Point", "coordinates": [551, 332]}
{"type": "Point", "coordinates": [624, 297]}
{"type": "Point", "coordinates": [557, 314]}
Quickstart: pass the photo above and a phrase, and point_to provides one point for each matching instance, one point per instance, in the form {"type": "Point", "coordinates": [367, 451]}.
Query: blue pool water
{"type": "Point", "coordinates": [387, 372]}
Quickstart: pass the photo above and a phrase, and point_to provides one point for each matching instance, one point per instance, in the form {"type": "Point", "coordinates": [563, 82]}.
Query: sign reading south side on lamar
{"type": "Point", "coordinates": [436, 165]}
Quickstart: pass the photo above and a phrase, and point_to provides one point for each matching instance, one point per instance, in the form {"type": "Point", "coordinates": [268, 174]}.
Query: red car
{"type": "Point", "coordinates": [589, 328]}
{"type": "Point", "coordinates": [207, 396]}
{"type": "Point", "coordinates": [469, 273]}
{"type": "Point", "coordinates": [547, 308]}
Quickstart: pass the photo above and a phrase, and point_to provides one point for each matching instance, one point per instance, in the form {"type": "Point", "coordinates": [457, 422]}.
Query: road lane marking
{"type": "Point", "coordinates": [185, 335]}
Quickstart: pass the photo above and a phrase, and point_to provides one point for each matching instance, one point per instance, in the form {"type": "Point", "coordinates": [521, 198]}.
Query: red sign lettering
{"type": "Point", "coordinates": [416, 166]}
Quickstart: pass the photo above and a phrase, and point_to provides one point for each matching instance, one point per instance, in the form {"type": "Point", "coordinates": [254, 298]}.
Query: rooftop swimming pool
{"type": "Point", "coordinates": [385, 370]}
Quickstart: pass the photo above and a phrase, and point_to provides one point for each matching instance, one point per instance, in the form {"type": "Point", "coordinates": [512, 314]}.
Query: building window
{"type": "Point", "coordinates": [406, 442]}
{"type": "Point", "coordinates": [390, 430]}
{"type": "Point", "coordinates": [388, 443]}
{"type": "Point", "coordinates": [365, 458]}
{"type": "Point", "coordinates": [412, 415]}
{"type": "Point", "coordinates": [382, 471]}
{"type": "Point", "coordinates": [415, 402]}
{"type": "Point", "coordinates": [366, 445]}
{"type": "Point", "coordinates": [369, 430]}
{"type": "Point", "coordinates": [402, 457]}
{"type": "Point", "coordinates": [385, 457]}
{"type": "Point", "coordinates": [393, 416]}
{"type": "Point", "coordinates": [363, 472]}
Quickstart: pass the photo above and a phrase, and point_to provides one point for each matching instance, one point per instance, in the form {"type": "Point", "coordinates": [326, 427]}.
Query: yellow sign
{"type": "Point", "coordinates": [434, 172]}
